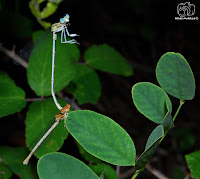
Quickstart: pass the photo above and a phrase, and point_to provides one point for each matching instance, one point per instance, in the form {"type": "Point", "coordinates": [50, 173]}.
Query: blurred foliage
{"type": "Point", "coordinates": [48, 10]}
{"type": "Point", "coordinates": [193, 163]}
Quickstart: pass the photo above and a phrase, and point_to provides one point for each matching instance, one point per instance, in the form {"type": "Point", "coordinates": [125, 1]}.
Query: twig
{"type": "Point", "coordinates": [15, 57]}
{"type": "Point", "coordinates": [33, 99]}
{"type": "Point", "coordinates": [155, 172]}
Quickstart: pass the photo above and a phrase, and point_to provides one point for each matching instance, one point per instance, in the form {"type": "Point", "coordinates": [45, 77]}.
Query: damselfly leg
{"type": "Point", "coordinates": [63, 33]}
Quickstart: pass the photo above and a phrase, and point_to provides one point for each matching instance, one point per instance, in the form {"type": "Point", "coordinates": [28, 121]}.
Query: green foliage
{"type": "Point", "coordinates": [106, 169]}
{"type": "Point", "coordinates": [39, 70]}
{"type": "Point", "coordinates": [193, 163]}
{"type": "Point", "coordinates": [39, 116]}
{"type": "Point", "coordinates": [168, 123]}
{"type": "Point", "coordinates": [88, 157]}
{"type": "Point", "coordinates": [13, 157]}
{"type": "Point", "coordinates": [59, 165]}
{"type": "Point", "coordinates": [151, 145]}
{"type": "Point", "coordinates": [5, 173]}
{"type": "Point", "coordinates": [150, 100]}
{"type": "Point", "coordinates": [48, 10]}
{"type": "Point", "coordinates": [175, 76]}
{"type": "Point", "coordinates": [87, 85]}
{"type": "Point", "coordinates": [11, 96]}
{"type": "Point", "coordinates": [112, 145]}
{"type": "Point", "coordinates": [105, 58]}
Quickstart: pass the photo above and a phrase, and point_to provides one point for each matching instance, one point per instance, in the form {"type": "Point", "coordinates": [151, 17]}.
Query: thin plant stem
{"type": "Point", "coordinates": [180, 105]}
{"type": "Point", "coordinates": [52, 75]}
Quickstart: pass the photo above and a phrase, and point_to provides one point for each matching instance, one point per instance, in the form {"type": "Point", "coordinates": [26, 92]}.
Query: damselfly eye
{"type": "Point", "coordinates": [62, 20]}
{"type": "Point", "coordinates": [67, 15]}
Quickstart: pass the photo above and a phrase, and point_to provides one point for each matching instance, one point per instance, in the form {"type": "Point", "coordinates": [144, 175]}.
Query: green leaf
{"type": "Point", "coordinates": [151, 145]}
{"type": "Point", "coordinates": [48, 10]}
{"type": "Point", "coordinates": [39, 70]}
{"type": "Point", "coordinates": [5, 173]}
{"type": "Point", "coordinates": [59, 165]}
{"type": "Point", "coordinates": [88, 157]}
{"type": "Point", "coordinates": [45, 24]}
{"type": "Point", "coordinates": [40, 114]}
{"type": "Point", "coordinates": [105, 58]}
{"type": "Point", "coordinates": [175, 76]}
{"type": "Point", "coordinates": [108, 171]}
{"type": "Point", "coordinates": [11, 96]}
{"type": "Point", "coordinates": [13, 158]}
{"type": "Point", "coordinates": [87, 85]}
{"type": "Point", "coordinates": [168, 123]}
{"type": "Point", "coordinates": [102, 137]}
{"type": "Point", "coordinates": [193, 163]}
{"type": "Point", "coordinates": [150, 100]}
{"type": "Point", "coordinates": [34, 10]}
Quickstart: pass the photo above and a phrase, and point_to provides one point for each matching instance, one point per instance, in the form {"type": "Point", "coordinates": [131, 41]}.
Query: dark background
{"type": "Point", "coordinates": [142, 31]}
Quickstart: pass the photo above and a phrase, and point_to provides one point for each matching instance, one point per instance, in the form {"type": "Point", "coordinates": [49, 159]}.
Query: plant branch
{"type": "Point", "coordinates": [155, 172]}
{"type": "Point", "coordinates": [33, 99]}
{"type": "Point", "coordinates": [13, 55]}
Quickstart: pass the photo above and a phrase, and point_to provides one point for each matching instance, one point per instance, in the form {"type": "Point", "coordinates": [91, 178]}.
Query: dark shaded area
{"type": "Point", "coordinates": [142, 31]}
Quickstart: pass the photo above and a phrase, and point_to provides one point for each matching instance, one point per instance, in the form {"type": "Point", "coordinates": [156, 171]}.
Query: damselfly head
{"type": "Point", "coordinates": [65, 19]}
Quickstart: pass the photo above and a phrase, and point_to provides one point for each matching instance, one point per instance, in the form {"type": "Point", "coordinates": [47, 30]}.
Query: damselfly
{"type": "Point", "coordinates": [57, 27]}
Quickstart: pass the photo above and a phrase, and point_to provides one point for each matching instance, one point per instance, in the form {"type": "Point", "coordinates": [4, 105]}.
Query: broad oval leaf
{"type": "Point", "coordinates": [39, 69]}
{"type": "Point", "coordinates": [102, 137]}
{"type": "Point", "coordinates": [193, 163]}
{"type": "Point", "coordinates": [175, 76]}
{"type": "Point", "coordinates": [87, 85]}
{"type": "Point", "coordinates": [11, 97]}
{"type": "Point", "coordinates": [151, 145]}
{"type": "Point", "coordinates": [13, 158]}
{"type": "Point", "coordinates": [105, 58]}
{"type": "Point", "coordinates": [150, 100]}
{"type": "Point", "coordinates": [59, 165]}
{"type": "Point", "coordinates": [40, 117]}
